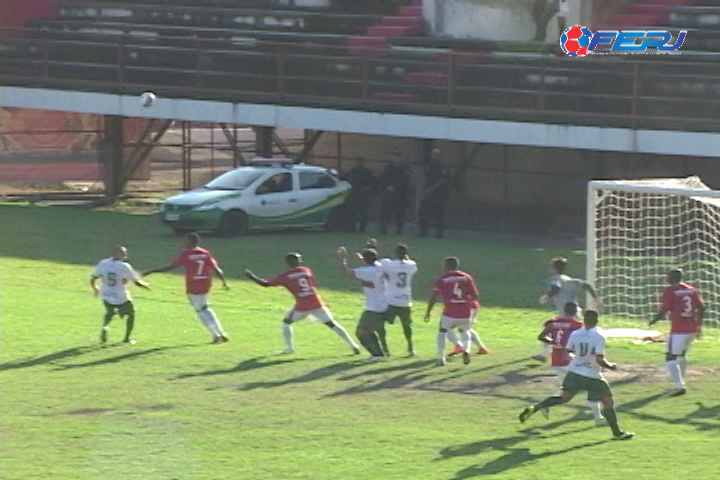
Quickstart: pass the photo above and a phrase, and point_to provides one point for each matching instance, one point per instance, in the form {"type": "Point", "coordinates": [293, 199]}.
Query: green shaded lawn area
{"type": "Point", "coordinates": [175, 407]}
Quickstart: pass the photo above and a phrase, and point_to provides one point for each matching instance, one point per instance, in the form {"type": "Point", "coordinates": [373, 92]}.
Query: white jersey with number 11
{"type": "Point", "coordinates": [399, 274]}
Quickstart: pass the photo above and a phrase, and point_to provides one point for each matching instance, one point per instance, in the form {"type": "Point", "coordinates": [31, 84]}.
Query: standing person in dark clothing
{"type": "Point", "coordinates": [435, 196]}
{"type": "Point", "coordinates": [395, 186]}
{"type": "Point", "coordinates": [363, 181]}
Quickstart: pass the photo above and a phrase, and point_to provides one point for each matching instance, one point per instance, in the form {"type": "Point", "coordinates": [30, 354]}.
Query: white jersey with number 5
{"type": "Point", "coordinates": [115, 274]}
{"type": "Point", "coordinates": [585, 344]}
{"type": "Point", "coordinates": [399, 274]}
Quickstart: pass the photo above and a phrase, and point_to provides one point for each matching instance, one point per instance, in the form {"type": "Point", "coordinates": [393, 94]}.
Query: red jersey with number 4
{"type": "Point", "coordinates": [681, 301]}
{"type": "Point", "coordinates": [198, 264]}
{"type": "Point", "coordinates": [300, 281]}
{"type": "Point", "coordinates": [559, 329]}
{"type": "Point", "coordinates": [459, 294]}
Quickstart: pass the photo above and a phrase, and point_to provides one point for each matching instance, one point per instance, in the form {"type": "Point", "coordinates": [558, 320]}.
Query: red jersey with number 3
{"type": "Point", "coordinates": [559, 329]}
{"type": "Point", "coordinates": [198, 264]}
{"type": "Point", "coordinates": [300, 281]}
{"type": "Point", "coordinates": [459, 293]}
{"type": "Point", "coordinates": [681, 301]}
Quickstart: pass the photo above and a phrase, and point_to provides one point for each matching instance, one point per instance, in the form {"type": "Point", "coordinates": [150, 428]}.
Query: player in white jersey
{"type": "Point", "coordinates": [115, 274]}
{"type": "Point", "coordinates": [373, 282]}
{"type": "Point", "coordinates": [399, 272]}
{"type": "Point", "coordinates": [564, 289]}
{"type": "Point", "coordinates": [588, 346]}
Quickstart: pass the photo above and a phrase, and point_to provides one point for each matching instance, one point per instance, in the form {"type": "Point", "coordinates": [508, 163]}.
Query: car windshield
{"type": "Point", "coordinates": [234, 180]}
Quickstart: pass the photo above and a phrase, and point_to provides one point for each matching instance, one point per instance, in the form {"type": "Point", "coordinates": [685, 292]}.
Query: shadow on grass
{"type": "Point", "coordinates": [49, 358]}
{"type": "Point", "coordinates": [516, 457]}
{"type": "Point", "coordinates": [697, 419]}
{"type": "Point", "coordinates": [311, 376]}
{"type": "Point", "coordinates": [244, 366]}
{"type": "Point", "coordinates": [476, 448]}
{"type": "Point", "coordinates": [125, 356]}
{"type": "Point", "coordinates": [414, 379]}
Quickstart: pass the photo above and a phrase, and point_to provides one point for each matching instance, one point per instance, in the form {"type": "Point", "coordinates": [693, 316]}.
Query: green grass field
{"type": "Point", "coordinates": [175, 407]}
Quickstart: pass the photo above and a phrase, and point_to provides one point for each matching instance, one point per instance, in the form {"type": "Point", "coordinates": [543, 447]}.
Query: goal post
{"type": "Point", "coordinates": [637, 230]}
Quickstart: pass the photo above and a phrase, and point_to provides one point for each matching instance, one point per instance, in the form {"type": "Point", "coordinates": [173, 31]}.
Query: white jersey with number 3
{"type": "Point", "coordinates": [115, 274]}
{"type": "Point", "coordinates": [585, 344]}
{"type": "Point", "coordinates": [399, 274]}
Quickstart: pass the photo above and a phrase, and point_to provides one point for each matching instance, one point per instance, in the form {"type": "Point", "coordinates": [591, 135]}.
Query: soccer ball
{"type": "Point", "coordinates": [148, 99]}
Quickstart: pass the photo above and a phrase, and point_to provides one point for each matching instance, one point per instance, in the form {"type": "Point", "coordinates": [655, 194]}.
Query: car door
{"type": "Point", "coordinates": [317, 194]}
{"type": "Point", "coordinates": [273, 200]}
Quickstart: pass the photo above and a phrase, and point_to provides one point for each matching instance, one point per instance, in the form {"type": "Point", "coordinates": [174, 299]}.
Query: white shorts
{"type": "Point", "coordinates": [560, 374]}
{"type": "Point", "coordinates": [679, 343]}
{"type": "Point", "coordinates": [320, 315]}
{"type": "Point", "coordinates": [448, 323]}
{"type": "Point", "coordinates": [198, 302]}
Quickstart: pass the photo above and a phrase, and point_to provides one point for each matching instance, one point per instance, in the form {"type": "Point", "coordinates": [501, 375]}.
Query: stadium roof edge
{"type": "Point", "coordinates": [699, 144]}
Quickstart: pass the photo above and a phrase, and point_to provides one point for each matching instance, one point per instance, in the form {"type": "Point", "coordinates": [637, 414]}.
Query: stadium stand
{"type": "Point", "coordinates": [367, 55]}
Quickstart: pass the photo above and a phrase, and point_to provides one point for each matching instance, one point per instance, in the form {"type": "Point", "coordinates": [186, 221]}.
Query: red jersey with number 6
{"type": "Point", "coordinates": [300, 281]}
{"type": "Point", "coordinates": [459, 294]}
{"type": "Point", "coordinates": [681, 301]}
{"type": "Point", "coordinates": [198, 264]}
{"type": "Point", "coordinates": [559, 329]}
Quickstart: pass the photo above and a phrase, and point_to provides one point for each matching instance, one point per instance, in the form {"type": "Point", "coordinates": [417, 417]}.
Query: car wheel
{"type": "Point", "coordinates": [234, 223]}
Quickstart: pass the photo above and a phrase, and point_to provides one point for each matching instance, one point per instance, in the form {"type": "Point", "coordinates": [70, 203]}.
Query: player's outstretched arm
{"type": "Point", "coordinates": [660, 315]}
{"type": "Point", "coordinates": [142, 284]}
{"type": "Point", "coordinates": [260, 281]}
{"type": "Point", "coordinates": [431, 304]}
{"type": "Point", "coordinates": [165, 269]}
{"type": "Point", "coordinates": [221, 275]}
{"type": "Point", "coordinates": [699, 315]}
{"type": "Point", "coordinates": [93, 285]}
{"type": "Point", "coordinates": [545, 337]}
{"type": "Point", "coordinates": [342, 255]}
{"type": "Point", "coordinates": [604, 363]}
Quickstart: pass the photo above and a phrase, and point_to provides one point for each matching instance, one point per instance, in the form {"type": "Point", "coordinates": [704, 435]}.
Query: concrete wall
{"type": "Point", "coordinates": [519, 188]}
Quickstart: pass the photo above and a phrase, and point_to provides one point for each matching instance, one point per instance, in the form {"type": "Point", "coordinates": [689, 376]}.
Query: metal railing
{"type": "Point", "coordinates": [608, 91]}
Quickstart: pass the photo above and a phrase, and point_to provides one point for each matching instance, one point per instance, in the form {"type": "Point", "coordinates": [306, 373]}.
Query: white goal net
{"type": "Point", "coordinates": [637, 230]}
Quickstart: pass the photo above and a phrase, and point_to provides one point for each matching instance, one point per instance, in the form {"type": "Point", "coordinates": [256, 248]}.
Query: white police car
{"type": "Point", "coordinates": [266, 194]}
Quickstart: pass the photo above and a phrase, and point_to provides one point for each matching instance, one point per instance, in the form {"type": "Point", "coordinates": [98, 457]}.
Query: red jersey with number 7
{"type": "Point", "coordinates": [681, 301]}
{"type": "Point", "coordinates": [559, 329]}
{"type": "Point", "coordinates": [199, 267]}
{"type": "Point", "coordinates": [459, 293]}
{"type": "Point", "coordinates": [300, 281]}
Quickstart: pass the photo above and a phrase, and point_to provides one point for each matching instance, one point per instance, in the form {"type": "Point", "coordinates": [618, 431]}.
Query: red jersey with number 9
{"type": "Point", "coordinates": [198, 264]}
{"type": "Point", "coordinates": [681, 301]}
{"type": "Point", "coordinates": [459, 294]}
{"type": "Point", "coordinates": [300, 281]}
{"type": "Point", "coordinates": [559, 329]}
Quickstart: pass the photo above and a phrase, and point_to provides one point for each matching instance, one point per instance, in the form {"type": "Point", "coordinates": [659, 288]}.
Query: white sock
{"type": "Point", "coordinates": [213, 322]}
{"type": "Point", "coordinates": [682, 361]}
{"type": "Point", "coordinates": [452, 338]}
{"type": "Point", "coordinates": [342, 333]}
{"type": "Point", "coordinates": [475, 338]}
{"type": "Point", "coordinates": [596, 410]}
{"type": "Point", "coordinates": [205, 321]}
{"type": "Point", "coordinates": [675, 374]}
{"type": "Point", "coordinates": [441, 340]}
{"type": "Point", "coordinates": [287, 333]}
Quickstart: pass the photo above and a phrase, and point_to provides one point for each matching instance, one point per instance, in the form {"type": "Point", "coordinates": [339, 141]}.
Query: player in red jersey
{"type": "Point", "coordinates": [199, 265]}
{"type": "Point", "coordinates": [474, 337]}
{"type": "Point", "coordinates": [686, 308]}
{"type": "Point", "coordinates": [556, 333]}
{"type": "Point", "coordinates": [459, 295]}
{"type": "Point", "coordinates": [300, 281]}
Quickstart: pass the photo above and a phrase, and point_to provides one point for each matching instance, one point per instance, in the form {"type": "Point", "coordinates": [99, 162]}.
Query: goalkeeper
{"type": "Point", "coordinates": [563, 290]}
